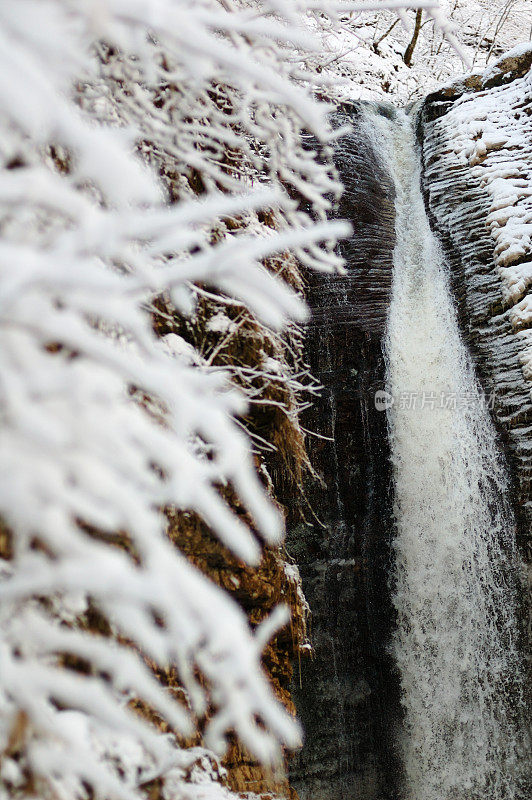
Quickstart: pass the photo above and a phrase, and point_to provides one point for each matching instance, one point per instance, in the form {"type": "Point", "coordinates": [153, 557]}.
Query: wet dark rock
{"type": "Point", "coordinates": [347, 695]}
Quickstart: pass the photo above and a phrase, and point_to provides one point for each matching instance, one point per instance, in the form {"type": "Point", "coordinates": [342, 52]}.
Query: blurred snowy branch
{"type": "Point", "coordinates": [113, 114]}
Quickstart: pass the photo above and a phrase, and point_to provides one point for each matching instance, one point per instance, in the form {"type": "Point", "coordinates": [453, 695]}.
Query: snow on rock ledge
{"type": "Point", "coordinates": [476, 139]}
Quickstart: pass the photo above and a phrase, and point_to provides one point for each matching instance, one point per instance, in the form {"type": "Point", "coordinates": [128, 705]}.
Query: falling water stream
{"type": "Point", "coordinates": [454, 582]}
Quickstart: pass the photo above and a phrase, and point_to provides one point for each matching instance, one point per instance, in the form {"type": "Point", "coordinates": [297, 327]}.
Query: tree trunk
{"type": "Point", "coordinates": [407, 58]}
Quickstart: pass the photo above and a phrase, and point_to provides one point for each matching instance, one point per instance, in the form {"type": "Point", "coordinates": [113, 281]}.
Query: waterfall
{"type": "Point", "coordinates": [456, 565]}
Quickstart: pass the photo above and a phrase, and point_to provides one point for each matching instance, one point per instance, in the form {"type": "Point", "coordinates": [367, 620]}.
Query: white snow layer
{"type": "Point", "coordinates": [491, 130]}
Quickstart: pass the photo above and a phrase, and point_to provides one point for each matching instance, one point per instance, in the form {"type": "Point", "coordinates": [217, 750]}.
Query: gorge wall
{"type": "Point", "coordinates": [476, 148]}
{"type": "Point", "coordinates": [476, 140]}
{"type": "Point", "coordinates": [346, 695]}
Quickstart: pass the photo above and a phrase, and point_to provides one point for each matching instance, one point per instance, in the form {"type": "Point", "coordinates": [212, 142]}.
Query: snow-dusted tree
{"type": "Point", "coordinates": [109, 111]}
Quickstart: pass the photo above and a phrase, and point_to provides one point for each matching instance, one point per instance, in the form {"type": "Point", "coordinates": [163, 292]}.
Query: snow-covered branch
{"type": "Point", "coordinates": [113, 116]}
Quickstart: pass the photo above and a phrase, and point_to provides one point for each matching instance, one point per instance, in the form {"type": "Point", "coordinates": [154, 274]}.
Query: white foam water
{"type": "Point", "coordinates": [456, 563]}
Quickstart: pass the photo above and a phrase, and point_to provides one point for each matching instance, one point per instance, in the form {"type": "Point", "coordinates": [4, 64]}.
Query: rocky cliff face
{"type": "Point", "coordinates": [346, 696]}
{"type": "Point", "coordinates": [476, 141]}
{"type": "Point", "coordinates": [232, 338]}
{"type": "Point", "coordinates": [258, 590]}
